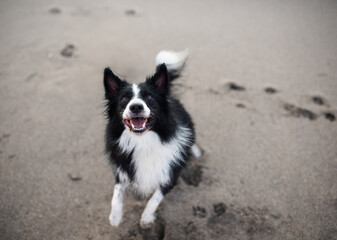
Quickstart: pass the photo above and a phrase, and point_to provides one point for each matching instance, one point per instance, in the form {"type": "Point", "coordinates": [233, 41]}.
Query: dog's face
{"type": "Point", "coordinates": [137, 106]}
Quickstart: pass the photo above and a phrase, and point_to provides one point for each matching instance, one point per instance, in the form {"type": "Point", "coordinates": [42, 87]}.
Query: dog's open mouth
{"type": "Point", "coordinates": [137, 124]}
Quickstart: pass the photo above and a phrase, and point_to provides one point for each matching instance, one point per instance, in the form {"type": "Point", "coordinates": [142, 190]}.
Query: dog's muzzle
{"type": "Point", "coordinates": [136, 120]}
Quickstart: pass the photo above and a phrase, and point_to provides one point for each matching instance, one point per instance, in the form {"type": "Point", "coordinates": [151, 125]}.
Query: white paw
{"type": "Point", "coordinates": [147, 221]}
{"type": "Point", "coordinates": [115, 218]}
{"type": "Point", "coordinates": [196, 151]}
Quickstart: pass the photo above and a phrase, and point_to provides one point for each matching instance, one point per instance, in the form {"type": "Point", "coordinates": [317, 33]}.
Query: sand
{"type": "Point", "coordinates": [260, 84]}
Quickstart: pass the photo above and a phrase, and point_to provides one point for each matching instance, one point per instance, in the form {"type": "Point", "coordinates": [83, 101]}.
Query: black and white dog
{"type": "Point", "coordinates": [149, 135]}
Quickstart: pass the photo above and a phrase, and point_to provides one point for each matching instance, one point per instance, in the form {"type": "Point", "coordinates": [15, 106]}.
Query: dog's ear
{"type": "Point", "coordinates": [160, 79]}
{"type": "Point", "coordinates": [112, 83]}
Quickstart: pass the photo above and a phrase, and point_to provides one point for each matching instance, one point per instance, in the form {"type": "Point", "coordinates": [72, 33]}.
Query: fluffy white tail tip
{"type": "Point", "coordinates": [174, 60]}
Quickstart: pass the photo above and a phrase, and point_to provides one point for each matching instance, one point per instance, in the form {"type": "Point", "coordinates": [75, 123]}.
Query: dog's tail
{"type": "Point", "coordinates": [174, 62]}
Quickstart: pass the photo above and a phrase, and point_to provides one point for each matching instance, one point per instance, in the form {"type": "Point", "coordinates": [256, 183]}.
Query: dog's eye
{"type": "Point", "coordinates": [124, 99]}
{"type": "Point", "coordinates": [149, 97]}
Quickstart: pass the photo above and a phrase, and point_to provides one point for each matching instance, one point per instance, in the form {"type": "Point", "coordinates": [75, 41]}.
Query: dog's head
{"type": "Point", "coordinates": [138, 106]}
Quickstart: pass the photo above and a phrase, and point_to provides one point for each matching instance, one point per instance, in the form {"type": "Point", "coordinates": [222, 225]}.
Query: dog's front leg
{"type": "Point", "coordinates": [116, 213]}
{"type": "Point", "coordinates": [148, 217]}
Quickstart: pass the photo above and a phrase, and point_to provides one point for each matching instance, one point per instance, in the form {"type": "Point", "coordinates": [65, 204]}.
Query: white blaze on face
{"type": "Point", "coordinates": [135, 90]}
{"type": "Point", "coordinates": [136, 100]}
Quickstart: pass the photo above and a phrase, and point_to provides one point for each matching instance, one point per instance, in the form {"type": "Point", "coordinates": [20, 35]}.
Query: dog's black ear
{"type": "Point", "coordinates": [160, 78]}
{"type": "Point", "coordinates": [112, 83]}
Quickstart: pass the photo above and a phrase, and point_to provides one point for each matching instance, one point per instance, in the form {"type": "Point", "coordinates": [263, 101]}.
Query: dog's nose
{"type": "Point", "coordinates": [136, 108]}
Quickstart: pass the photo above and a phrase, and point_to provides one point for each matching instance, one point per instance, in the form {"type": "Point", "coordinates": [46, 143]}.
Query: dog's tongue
{"type": "Point", "coordinates": [138, 122]}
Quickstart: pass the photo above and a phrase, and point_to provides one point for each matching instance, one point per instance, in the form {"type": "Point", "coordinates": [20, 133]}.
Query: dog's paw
{"type": "Point", "coordinates": [115, 218]}
{"type": "Point", "coordinates": [196, 151]}
{"type": "Point", "coordinates": [147, 221]}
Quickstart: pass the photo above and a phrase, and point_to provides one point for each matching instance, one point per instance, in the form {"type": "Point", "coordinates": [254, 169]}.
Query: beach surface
{"type": "Point", "coordinates": [260, 84]}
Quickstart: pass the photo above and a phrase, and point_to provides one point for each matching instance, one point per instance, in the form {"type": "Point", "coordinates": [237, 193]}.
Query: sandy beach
{"type": "Point", "coordinates": [260, 84]}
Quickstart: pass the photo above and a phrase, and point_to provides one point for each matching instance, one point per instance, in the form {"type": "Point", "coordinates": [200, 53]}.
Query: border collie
{"type": "Point", "coordinates": [149, 135]}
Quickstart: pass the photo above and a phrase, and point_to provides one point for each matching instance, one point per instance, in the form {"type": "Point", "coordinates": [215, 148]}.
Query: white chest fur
{"type": "Point", "coordinates": [152, 158]}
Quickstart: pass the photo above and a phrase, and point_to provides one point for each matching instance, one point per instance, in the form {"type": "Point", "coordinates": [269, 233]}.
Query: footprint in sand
{"type": "Point", "coordinates": [55, 10]}
{"type": "Point", "coordinates": [318, 100]}
{"type": "Point", "coordinates": [199, 212]}
{"type": "Point", "coordinates": [235, 87]}
{"type": "Point", "coordinates": [219, 208]}
{"type": "Point", "coordinates": [321, 101]}
{"type": "Point", "coordinates": [157, 231]}
{"type": "Point", "coordinates": [130, 12]}
{"type": "Point", "coordinates": [270, 90]}
{"type": "Point", "coordinates": [330, 116]}
{"type": "Point", "coordinates": [240, 105]}
{"type": "Point", "coordinates": [299, 112]}
{"type": "Point", "coordinates": [228, 222]}
{"type": "Point", "coordinates": [68, 51]}
{"type": "Point", "coordinates": [192, 175]}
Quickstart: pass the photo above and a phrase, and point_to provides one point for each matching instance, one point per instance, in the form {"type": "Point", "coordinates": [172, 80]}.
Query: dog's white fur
{"type": "Point", "coordinates": [196, 151]}
{"type": "Point", "coordinates": [151, 207]}
{"type": "Point", "coordinates": [174, 61]}
{"type": "Point", "coordinates": [116, 213]}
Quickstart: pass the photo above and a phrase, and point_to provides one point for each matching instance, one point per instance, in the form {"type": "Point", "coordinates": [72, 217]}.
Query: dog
{"type": "Point", "coordinates": [149, 135]}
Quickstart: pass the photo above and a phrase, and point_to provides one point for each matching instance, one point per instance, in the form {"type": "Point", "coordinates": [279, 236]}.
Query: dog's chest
{"type": "Point", "coordinates": [152, 166]}
{"type": "Point", "coordinates": [151, 158]}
